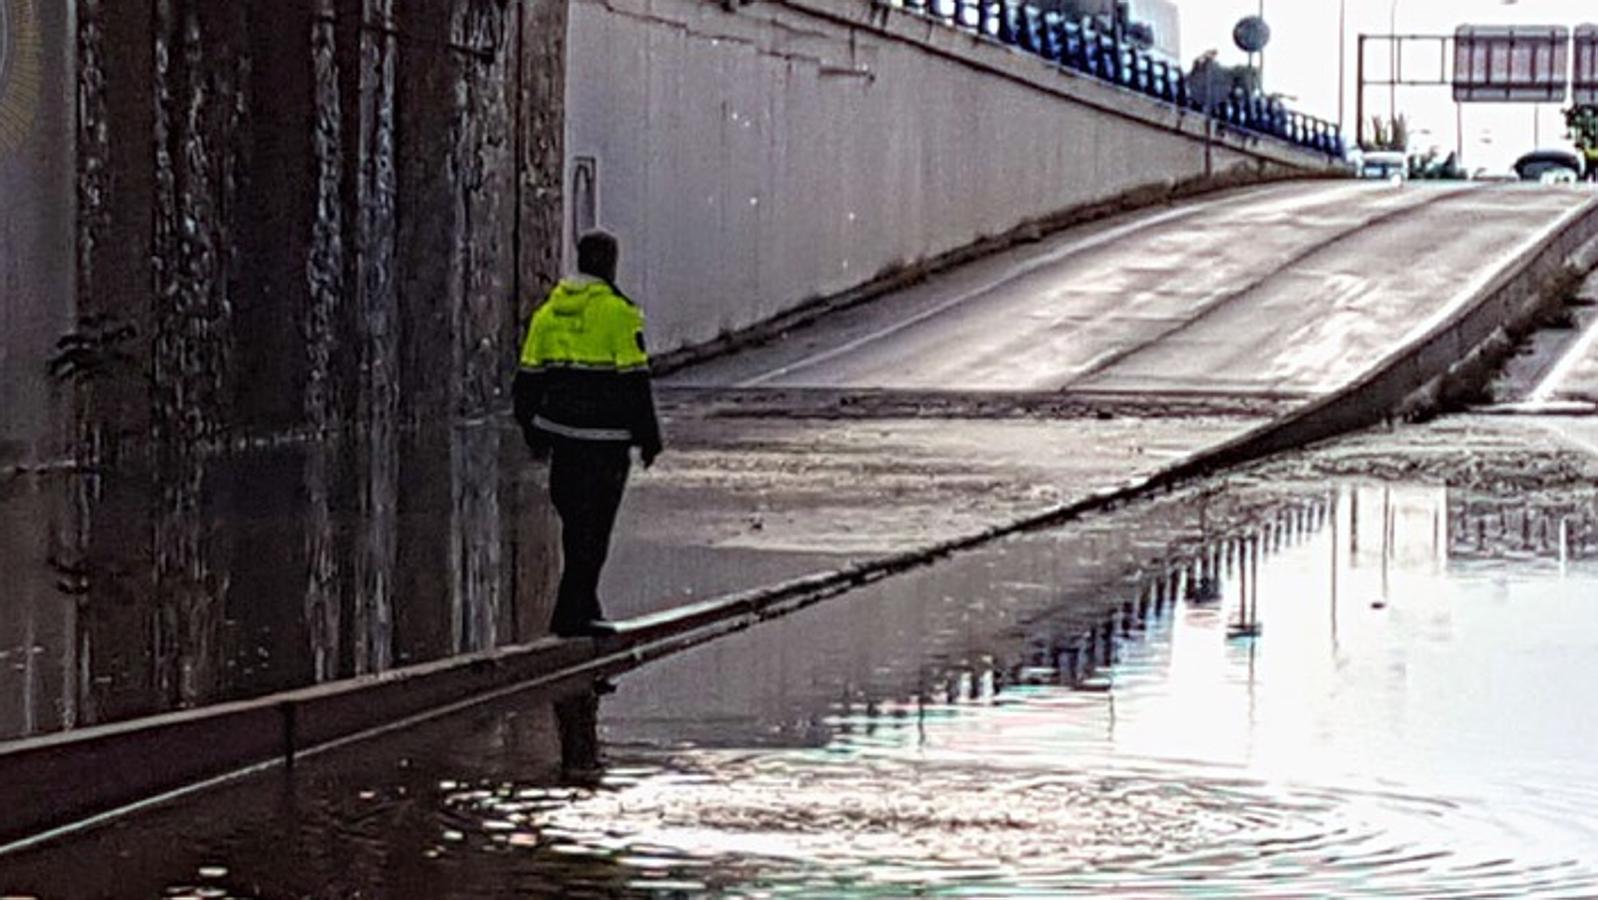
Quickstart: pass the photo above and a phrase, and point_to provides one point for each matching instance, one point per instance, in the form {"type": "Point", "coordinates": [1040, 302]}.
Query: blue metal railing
{"type": "Point", "coordinates": [1086, 47]}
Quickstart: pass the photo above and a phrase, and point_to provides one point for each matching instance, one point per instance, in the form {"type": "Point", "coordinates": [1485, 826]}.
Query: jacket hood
{"type": "Point", "coordinates": [573, 295]}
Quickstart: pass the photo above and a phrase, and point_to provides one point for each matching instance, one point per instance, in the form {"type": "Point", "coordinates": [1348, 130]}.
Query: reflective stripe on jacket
{"type": "Point", "coordinates": [584, 371]}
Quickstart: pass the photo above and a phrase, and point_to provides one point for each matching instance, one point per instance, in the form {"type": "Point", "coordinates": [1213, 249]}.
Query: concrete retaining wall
{"type": "Point", "coordinates": [290, 214]}
{"type": "Point", "coordinates": [756, 159]}
{"type": "Point", "coordinates": [37, 293]}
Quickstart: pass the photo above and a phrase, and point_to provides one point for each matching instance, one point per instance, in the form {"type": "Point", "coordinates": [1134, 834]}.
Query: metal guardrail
{"type": "Point", "coordinates": [1086, 47]}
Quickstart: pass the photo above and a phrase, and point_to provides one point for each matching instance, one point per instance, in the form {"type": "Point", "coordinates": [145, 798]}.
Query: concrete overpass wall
{"type": "Point", "coordinates": [252, 217]}
{"type": "Point", "coordinates": [756, 159]}
{"type": "Point", "coordinates": [37, 196]}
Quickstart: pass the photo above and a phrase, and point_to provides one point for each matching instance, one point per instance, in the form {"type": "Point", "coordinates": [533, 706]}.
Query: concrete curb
{"type": "Point", "coordinates": [77, 774]}
{"type": "Point", "coordinates": [80, 778]}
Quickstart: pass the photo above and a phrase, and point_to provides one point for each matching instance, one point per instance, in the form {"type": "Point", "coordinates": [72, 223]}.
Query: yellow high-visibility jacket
{"type": "Point", "coordinates": [584, 372]}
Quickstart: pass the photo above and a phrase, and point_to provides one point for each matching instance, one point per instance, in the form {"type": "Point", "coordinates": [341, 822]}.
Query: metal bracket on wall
{"type": "Point", "coordinates": [585, 194]}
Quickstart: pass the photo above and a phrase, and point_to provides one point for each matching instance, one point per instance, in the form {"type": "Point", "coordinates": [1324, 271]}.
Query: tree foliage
{"type": "Point", "coordinates": [1581, 123]}
{"type": "Point", "coordinates": [1389, 135]}
{"type": "Point", "coordinates": [1213, 81]}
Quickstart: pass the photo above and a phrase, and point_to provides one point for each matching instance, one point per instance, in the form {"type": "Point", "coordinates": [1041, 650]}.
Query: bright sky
{"type": "Point", "coordinates": [1302, 62]}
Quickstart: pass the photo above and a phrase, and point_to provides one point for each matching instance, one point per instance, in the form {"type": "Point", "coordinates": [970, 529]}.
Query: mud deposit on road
{"type": "Point", "coordinates": [740, 502]}
{"type": "Point", "coordinates": [1491, 454]}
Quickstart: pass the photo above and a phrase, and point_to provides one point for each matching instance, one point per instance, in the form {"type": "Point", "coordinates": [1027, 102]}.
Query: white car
{"type": "Point", "coordinates": [1384, 165]}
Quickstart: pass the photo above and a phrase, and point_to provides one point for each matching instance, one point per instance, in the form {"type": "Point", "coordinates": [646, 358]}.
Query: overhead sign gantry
{"type": "Point", "coordinates": [1490, 64]}
{"type": "Point", "coordinates": [1511, 64]}
{"type": "Point", "coordinates": [1584, 80]}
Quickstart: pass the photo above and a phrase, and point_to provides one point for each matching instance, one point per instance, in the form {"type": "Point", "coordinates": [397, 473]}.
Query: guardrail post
{"type": "Point", "coordinates": [1054, 38]}
{"type": "Point", "coordinates": [1007, 32]}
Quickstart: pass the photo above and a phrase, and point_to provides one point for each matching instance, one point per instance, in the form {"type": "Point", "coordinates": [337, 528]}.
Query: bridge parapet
{"type": "Point", "coordinates": [1082, 45]}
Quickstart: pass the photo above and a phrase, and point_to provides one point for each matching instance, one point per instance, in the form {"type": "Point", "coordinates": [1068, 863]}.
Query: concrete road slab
{"type": "Point", "coordinates": [1289, 289]}
{"type": "Point", "coordinates": [1344, 305]}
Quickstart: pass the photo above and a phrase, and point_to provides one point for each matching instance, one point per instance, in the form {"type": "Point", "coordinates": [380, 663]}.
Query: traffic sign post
{"type": "Point", "coordinates": [1396, 78]}
{"type": "Point", "coordinates": [1493, 64]}
{"type": "Point", "coordinates": [1252, 35]}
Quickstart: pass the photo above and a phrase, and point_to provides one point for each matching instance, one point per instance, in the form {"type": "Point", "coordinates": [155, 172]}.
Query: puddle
{"type": "Point", "coordinates": [1339, 691]}
{"type": "Point", "coordinates": [1402, 724]}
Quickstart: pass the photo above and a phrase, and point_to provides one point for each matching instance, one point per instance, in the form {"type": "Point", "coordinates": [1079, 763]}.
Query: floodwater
{"type": "Point", "coordinates": [1344, 691]}
{"type": "Point", "coordinates": [150, 587]}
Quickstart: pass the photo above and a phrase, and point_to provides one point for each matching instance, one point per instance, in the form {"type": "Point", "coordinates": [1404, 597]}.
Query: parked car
{"type": "Point", "coordinates": [1550, 166]}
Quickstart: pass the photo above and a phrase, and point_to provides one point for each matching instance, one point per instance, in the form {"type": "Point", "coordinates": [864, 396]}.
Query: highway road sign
{"type": "Point", "coordinates": [1515, 64]}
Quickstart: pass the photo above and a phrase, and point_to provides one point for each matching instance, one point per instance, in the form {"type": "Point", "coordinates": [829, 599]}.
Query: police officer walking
{"type": "Point", "coordinates": [583, 400]}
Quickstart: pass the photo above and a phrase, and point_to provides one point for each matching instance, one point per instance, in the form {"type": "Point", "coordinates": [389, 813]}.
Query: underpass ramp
{"type": "Point", "coordinates": [1284, 291]}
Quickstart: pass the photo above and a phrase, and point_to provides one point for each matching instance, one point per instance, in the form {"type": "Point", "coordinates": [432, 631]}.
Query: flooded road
{"type": "Point", "coordinates": [1255, 689]}
{"type": "Point", "coordinates": [133, 591]}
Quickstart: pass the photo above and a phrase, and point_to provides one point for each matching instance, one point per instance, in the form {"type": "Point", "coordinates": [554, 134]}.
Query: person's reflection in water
{"type": "Point", "coordinates": [577, 719]}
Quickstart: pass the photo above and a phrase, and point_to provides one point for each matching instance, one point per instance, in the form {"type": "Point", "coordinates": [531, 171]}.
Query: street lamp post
{"type": "Point", "coordinates": [1342, 64]}
{"type": "Point", "coordinates": [1392, 64]}
{"type": "Point", "coordinates": [1262, 51]}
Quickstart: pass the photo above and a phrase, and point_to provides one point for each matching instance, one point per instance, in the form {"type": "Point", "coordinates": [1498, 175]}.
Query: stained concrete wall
{"type": "Point", "coordinates": [37, 306]}
{"type": "Point", "coordinates": [37, 300]}
{"type": "Point", "coordinates": [258, 217]}
{"type": "Point", "coordinates": [753, 159]}
{"type": "Point", "coordinates": [278, 223]}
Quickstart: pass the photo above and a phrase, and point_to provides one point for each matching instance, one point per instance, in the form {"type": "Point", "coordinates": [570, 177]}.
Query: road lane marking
{"type": "Point", "coordinates": [1573, 357]}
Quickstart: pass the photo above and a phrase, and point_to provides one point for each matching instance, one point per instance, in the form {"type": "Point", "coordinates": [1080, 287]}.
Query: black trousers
{"type": "Point", "coordinates": [586, 482]}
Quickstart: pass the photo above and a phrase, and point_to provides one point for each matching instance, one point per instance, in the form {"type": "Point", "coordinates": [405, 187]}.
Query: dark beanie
{"type": "Point", "coordinates": [597, 252]}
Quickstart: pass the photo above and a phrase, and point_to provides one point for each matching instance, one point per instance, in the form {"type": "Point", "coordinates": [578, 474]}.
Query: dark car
{"type": "Point", "coordinates": [1549, 165]}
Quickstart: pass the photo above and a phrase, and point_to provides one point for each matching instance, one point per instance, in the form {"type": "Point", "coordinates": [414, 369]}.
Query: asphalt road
{"type": "Point", "coordinates": [1283, 291]}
